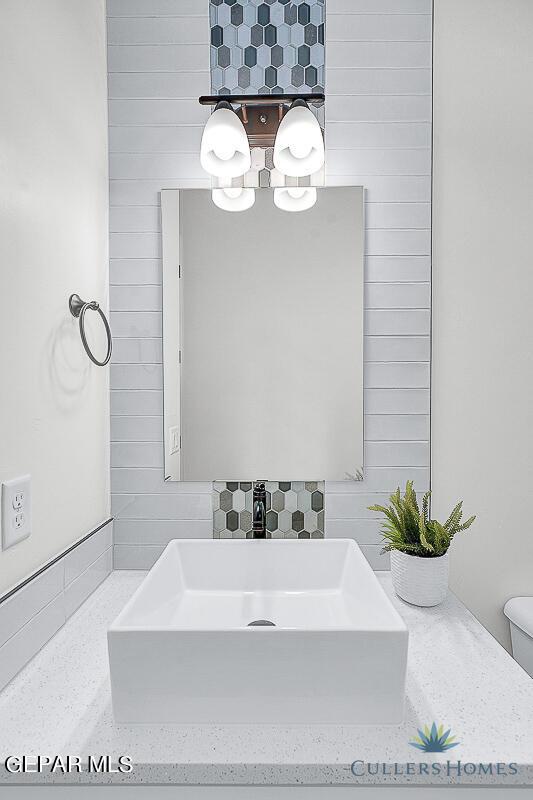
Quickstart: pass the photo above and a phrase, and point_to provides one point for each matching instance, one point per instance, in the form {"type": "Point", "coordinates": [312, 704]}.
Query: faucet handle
{"type": "Point", "coordinates": [259, 511]}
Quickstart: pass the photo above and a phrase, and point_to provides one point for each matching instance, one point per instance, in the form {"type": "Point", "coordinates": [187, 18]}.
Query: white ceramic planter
{"type": "Point", "coordinates": [420, 581]}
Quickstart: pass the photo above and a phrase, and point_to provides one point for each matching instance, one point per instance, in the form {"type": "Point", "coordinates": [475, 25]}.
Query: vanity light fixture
{"type": "Point", "coordinates": [282, 121]}
{"type": "Point", "coordinates": [225, 151]}
{"type": "Point", "coordinates": [295, 198]}
{"type": "Point", "coordinates": [299, 145]}
{"type": "Point", "coordinates": [233, 199]}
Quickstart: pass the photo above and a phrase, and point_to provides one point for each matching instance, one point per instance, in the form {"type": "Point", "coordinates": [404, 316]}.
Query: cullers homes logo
{"type": "Point", "coordinates": [433, 740]}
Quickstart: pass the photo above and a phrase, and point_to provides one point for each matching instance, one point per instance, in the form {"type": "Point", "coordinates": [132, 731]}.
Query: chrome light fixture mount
{"type": "Point", "coordinates": [261, 114]}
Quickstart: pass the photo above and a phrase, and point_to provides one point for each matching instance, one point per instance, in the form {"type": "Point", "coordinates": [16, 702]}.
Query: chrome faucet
{"type": "Point", "coordinates": [259, 512]}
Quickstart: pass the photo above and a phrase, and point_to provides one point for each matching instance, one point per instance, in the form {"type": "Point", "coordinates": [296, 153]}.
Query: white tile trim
{"type": "Point", "coordinates": [31, 614]}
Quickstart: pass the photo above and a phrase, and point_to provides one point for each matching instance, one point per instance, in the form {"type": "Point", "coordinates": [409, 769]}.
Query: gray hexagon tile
{"type": "Point", "coordinates": [277, 500]}
{"type": "Point", "coordinates": [271, 34]}
{"type": "Point", "coordinates": [239, 500]}
{"type": "Point", "coordinates": [295, 510]}
{"type": "Point", "coordinates": [284, 521]}
{"type": "Point", "coordinates": [304, 500]}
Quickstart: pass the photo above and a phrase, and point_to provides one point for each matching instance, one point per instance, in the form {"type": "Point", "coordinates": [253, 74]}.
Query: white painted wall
{"type": "Point", "coordinates": [482, 411]}
{"type": "Point", "coordinates": [378, 134]}
{"type": "Point", "coordinates": [53, 241]}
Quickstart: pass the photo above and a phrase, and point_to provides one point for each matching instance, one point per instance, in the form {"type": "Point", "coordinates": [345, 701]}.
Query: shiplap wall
{"type": "Point", "coordinates": [378, 134]}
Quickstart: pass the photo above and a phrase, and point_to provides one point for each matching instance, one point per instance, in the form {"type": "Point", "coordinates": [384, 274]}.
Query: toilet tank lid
{"type": "Point", "coordinates": [520, 611]}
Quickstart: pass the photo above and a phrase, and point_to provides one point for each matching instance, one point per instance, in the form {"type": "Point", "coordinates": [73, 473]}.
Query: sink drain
{"type": "Point", "coordinates": [258, 623]}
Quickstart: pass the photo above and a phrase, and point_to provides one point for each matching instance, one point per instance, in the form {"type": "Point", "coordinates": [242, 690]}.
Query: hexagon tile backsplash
{"type": "Point", "coordinates": [267, 46]}
{"type": "Point", "coordinates": [295, 510]}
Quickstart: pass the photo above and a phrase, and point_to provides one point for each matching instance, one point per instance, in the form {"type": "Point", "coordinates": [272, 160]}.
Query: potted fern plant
{"type": "Point", "coordinates": [418, 546]}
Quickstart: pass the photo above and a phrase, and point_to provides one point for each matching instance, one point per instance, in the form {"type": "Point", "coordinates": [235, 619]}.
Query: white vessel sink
{"type": "Point", "coordinates": [182, 649]}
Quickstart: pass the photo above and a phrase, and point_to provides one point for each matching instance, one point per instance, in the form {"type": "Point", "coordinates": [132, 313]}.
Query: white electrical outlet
{"type": "Point", "coordinates": [16, 510]}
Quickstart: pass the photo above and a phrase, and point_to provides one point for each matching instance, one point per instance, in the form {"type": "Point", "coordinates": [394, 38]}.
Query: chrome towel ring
{"type": "Point", "coordinates": [78, 307]}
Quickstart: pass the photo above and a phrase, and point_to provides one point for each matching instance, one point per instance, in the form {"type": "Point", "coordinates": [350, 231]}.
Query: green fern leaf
{"type": "Point", "coordinates": [442, 538]}
{"type": "Point", "coordinates": [455, 518]}
{"type": "Point", "coordinates": [425, 505]}
{"type": "Point", "coordinates": [410, 497]}
{"type": "Point", "coordinates": [424, 531]}
{"type": "Point", "coordinates": [465, 525]}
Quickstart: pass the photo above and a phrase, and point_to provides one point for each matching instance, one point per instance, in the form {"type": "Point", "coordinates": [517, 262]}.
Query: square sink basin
{"type": "Point", "coordinates": [259, 631]}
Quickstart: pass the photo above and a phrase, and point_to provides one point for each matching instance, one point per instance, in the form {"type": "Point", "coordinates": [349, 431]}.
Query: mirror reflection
{"type": "Point", "coordinates": [263, 338]}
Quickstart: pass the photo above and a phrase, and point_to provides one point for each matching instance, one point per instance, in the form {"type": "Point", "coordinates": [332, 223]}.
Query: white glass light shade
{"type": "Point", "coordinates": [225, 151]}
{"type": "Point", "coordinates": [299, 145]}
{"type": "Point", "coordinates": [295, 198]}
{"type": "Point", "coordinates": [233, 199]}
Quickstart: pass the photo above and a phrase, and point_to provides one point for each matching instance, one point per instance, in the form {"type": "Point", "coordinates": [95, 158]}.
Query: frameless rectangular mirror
{"type": "Point", "coordinates": [263, 338]}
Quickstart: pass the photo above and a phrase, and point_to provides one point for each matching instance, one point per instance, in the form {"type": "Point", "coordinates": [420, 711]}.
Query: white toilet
{"type": "Point", "coordinates": [519, 611]}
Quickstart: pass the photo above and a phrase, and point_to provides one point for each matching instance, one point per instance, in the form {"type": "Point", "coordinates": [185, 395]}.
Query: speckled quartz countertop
{"type": "Point", "coordinates": [457, 674]}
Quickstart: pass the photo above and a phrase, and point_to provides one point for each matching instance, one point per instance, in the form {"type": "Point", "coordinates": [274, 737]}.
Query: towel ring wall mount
{"type": "Point", "coordinates": [78, 309]}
